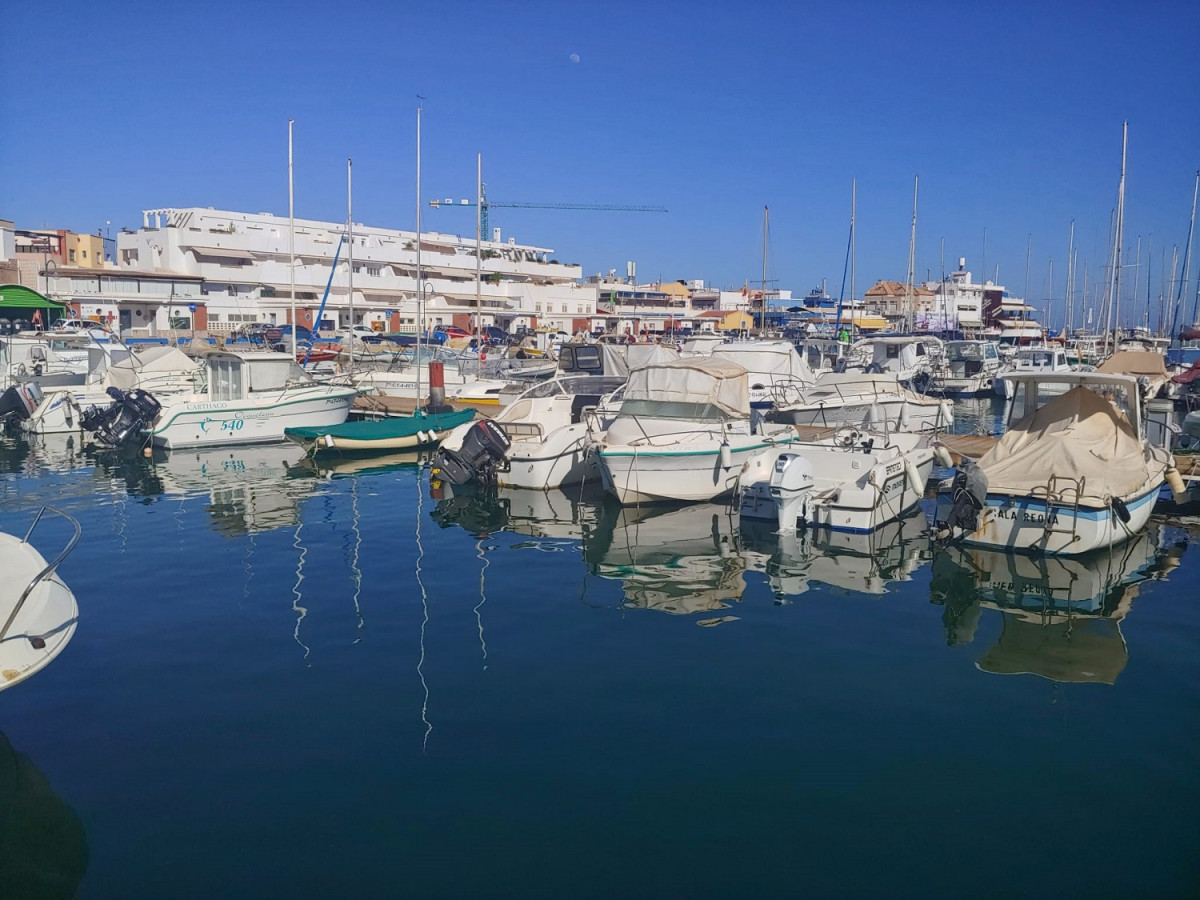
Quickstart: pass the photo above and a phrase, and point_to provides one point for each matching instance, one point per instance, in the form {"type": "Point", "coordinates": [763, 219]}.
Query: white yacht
{"type": "Point", "coordinates": [908, 357]}
{"type": "Point", "coordinates": [1040, 359]}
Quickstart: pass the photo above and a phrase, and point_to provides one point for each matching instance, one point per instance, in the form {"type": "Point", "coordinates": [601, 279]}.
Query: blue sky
{"type": "Point", "coordinates": [1010, 114]}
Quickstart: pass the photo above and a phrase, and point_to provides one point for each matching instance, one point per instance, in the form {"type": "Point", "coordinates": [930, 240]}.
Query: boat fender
{"type": "Point", "coordinates": [1119, 507]}
{"type": "Point", "coordinates": [914, 477]}
{"type": "Point", "coordinates": [329, 440]}
{"type": "Point", "coordinates": [726, 455]}
{"type": "Point", "coordinates": [942, 455]}
{"type": "Point", "coordinates": [1178, 489]}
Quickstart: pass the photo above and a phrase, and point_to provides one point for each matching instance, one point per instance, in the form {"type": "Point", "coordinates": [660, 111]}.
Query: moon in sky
{"type": "Point", "coordinates": [574, 57]}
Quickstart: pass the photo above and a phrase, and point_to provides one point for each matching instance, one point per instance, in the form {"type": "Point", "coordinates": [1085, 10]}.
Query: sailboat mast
{"type": "Point", "coordinates": [350, 254]}
{"type": "Point", "coordinates": [1114, 277]}
{"type": "Point", "coordinates": [291, 238]}
{"type": "Point", "coordinates": [420, 282]}
{"type": "Point", "coordinates": [762, 307]}
{"type": "Point", "coordinates": [853, 200]}
{"type": "Point", "coordinates": [1187, 256]}
{"type": "Point", "coordinates": [912, 257]}
{"type": "Point", "coordinates": [478, 253]}
{"type": "Point", "coordinates": [1069, 312]}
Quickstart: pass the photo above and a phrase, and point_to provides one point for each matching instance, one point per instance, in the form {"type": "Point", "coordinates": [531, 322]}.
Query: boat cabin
{"type": "Point", "coordinates": [1033, 390]}
{"type": "Point", "coordinates": [235, 376]}
{"type": "Point", "coordinates": [967, 358]}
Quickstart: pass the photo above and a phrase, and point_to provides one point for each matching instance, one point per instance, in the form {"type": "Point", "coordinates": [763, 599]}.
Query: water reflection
{"type": "Point", "coordinates": [43, 847]}
{"type": "Point", "coordinates": [1061, 615]}
{"type": "Point", "coordinates": [863, 563]}
{"type": "Point", "coordinates": [678, 560]}
{"type": "Point", "coordinates": [555, 514]}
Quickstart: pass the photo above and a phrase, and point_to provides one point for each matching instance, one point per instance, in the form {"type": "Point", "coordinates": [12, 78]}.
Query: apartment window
{"type": "Point", "coordinates": [71, 254]}
{"type": "Point", "coordinates": [85, 254]}
{"type": "Point", "coordinates": [564, 308]}
{"type": "Point", "coordinates": [373, 270]}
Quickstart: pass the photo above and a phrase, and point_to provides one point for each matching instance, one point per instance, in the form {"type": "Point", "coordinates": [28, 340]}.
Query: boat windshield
{"type": "Point", "coordinates": [1026, 402]}
{"type": "Point", "coordinates": [965, 351]}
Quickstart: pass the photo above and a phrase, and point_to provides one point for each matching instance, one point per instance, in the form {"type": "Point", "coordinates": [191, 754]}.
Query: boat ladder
{"type": "Point", "coordinates": [1063, 494]}
{"type": "Point", "coordinates": [46, 572]}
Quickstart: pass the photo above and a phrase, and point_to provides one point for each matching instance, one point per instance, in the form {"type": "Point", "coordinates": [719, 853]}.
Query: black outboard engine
{"type": "Point", "coordinates": [123, 419]}
{"type": "Point", "coordinates": [20, 400]}
{"type": "Point", "coordinates": [478, 459]}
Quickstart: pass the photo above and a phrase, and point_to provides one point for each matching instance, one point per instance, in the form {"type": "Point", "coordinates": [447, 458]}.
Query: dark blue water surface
{"type": "Point", "coordinates": [288, 683]}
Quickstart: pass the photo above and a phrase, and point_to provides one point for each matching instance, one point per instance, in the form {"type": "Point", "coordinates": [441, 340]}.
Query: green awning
{"type": "Point", "coordinates": [15, 297]}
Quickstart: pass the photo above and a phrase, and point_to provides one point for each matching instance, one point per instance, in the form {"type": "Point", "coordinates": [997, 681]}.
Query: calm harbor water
{"type": "Point", "coordinates": [292, 681]}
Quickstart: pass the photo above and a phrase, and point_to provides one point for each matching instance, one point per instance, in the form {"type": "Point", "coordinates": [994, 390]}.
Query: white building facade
{"type": "Point", "coordinates": [213, 270]}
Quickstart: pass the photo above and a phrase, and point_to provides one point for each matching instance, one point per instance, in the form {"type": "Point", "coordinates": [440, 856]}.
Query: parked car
{"type": "Point", "coordinates": [259, 333]}
{"type": "Point", "coordinates": [303, 335]}
{"type": "Point", "coordinates": [452, 331]}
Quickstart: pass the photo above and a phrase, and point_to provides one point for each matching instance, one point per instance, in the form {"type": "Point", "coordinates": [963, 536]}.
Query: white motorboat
{"type": "Point", "coordinates": [247, 398]}
{"type": "Point", "coordinates": [549, 429]}
{"type": "Point", "coordinates": [683, 432]}
{"type": "Point", "coordinates": [1072, 473]}
{"type": "Point", "coordinates": [771, 364]}
{"type": "Point", "coordinates": [38, 612]}
{"type": "Point", "coordinates": [1043, 359]}
{"type": "Point", "coordinates": [908, 357]}
{"type": "Point", "coordinates": [1147, 366]}
{"type": "Point", "coordinates": [855, 482]}
{"type": "Point", "coordinates": [968, 368]}
{"type": "Point", "coordinates": [864, 401]}
{"type": "Point", "coordinates": [158, 370]}
{"type": "Point", "coordinates": [408, 375]}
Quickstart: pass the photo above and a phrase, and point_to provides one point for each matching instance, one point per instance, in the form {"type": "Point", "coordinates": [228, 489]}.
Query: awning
{"type": "Point", "coordinates": [221, 252]}
{"type": "Point", "coordinates": [17, 296]}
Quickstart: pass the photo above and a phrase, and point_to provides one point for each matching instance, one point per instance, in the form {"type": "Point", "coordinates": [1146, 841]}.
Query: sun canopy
{"type": "Point", "coordinates": [1078, 434]}
{"type": "Point", "coordinates": [157, 359]}
{"type": "Point", "coordinates": [693, 380]}
{"type": "Point", "coordinates": [1135, 362]}
{"type": "Point", "coordinates": [774, 358]}
{"type": "Point", "coordinates": [16, 297]}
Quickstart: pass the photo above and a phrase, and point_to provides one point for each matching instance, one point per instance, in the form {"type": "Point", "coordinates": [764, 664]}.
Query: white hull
{"type": "Point", "coordinates": [1020, 523]}
{"type": "Point", "coordinates": [561, 459]}
{"type": "Point", "coordinates": [853, 491]}
{"type": "Point", "coordinates": [200, 422]}
{"type": "Point", "coordinates": [50, 612]}
{"type": "Point", "coordinates": [687, 468]}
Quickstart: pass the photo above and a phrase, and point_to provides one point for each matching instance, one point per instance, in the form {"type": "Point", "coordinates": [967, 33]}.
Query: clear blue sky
{"type": "Point", "coordinates": [1010, 114]}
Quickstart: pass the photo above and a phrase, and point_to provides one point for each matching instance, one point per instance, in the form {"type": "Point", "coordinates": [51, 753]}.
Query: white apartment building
{"type": "Point", "coordinates": [959, 303]}
{"type": "Point", "coordinates": [213, 270]}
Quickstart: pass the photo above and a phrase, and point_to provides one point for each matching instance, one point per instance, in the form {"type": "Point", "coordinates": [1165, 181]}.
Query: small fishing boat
{"type": "Point", "coordinates": [38, 612]}
{"type": "Point", "coordinates": [683, 432]}
{"type": "Point", "coordinates": [1072, 473]}
{"type": "Point", "coordinates": [380, 435]}
{"type": "Point", "coordinates": [247, 398]}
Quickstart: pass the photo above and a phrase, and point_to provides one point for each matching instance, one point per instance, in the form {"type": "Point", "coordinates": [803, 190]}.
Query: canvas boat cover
{"type": "Point", "coordinates": [1188, 375]}
{"type": "Point", "coordinates": [1077, 434]}
{"type": "Point", "coordinates": [1135, 362]}
{"type": "Point", "coordinates": [127, 373]}
{"type": "Point", "coordinates": [776, 358]}
{"type": "Point", "coordinates": [699, 380]}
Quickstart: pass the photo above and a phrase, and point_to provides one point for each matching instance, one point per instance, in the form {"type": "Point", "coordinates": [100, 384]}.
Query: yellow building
{"type": "Point", "coordinates": [726, 320]}
{"type": "Point", "coordinates": [83, 250]}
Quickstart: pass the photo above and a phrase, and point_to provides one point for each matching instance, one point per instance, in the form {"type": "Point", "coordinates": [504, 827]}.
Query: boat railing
{"type": "Point", "coordinates": [50, 567]}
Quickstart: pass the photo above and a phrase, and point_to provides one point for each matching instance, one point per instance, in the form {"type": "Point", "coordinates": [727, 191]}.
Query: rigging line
{"type": "Point", "coordinates": [300, 611]}
{"type": "Point", "coordinates": [482, 557]}
{"type": "Point", "coordinates": [425, 611]}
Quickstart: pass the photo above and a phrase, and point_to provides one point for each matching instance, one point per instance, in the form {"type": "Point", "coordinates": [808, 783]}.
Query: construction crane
{"type": "Point", "coordinates": [485, 204]}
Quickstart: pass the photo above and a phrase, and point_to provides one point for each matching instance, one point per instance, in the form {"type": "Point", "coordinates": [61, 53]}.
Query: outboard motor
{"type": "Point", "coordinates": [478, 459]}
{"type": "Point", "coordinates": [961, 515]}
{"type": "Point", "coordinates": [20, 400]}
{"type": "Point", "coordinates": [791, 485]}
{"type": "Point", "coordinates": [123, 419]}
